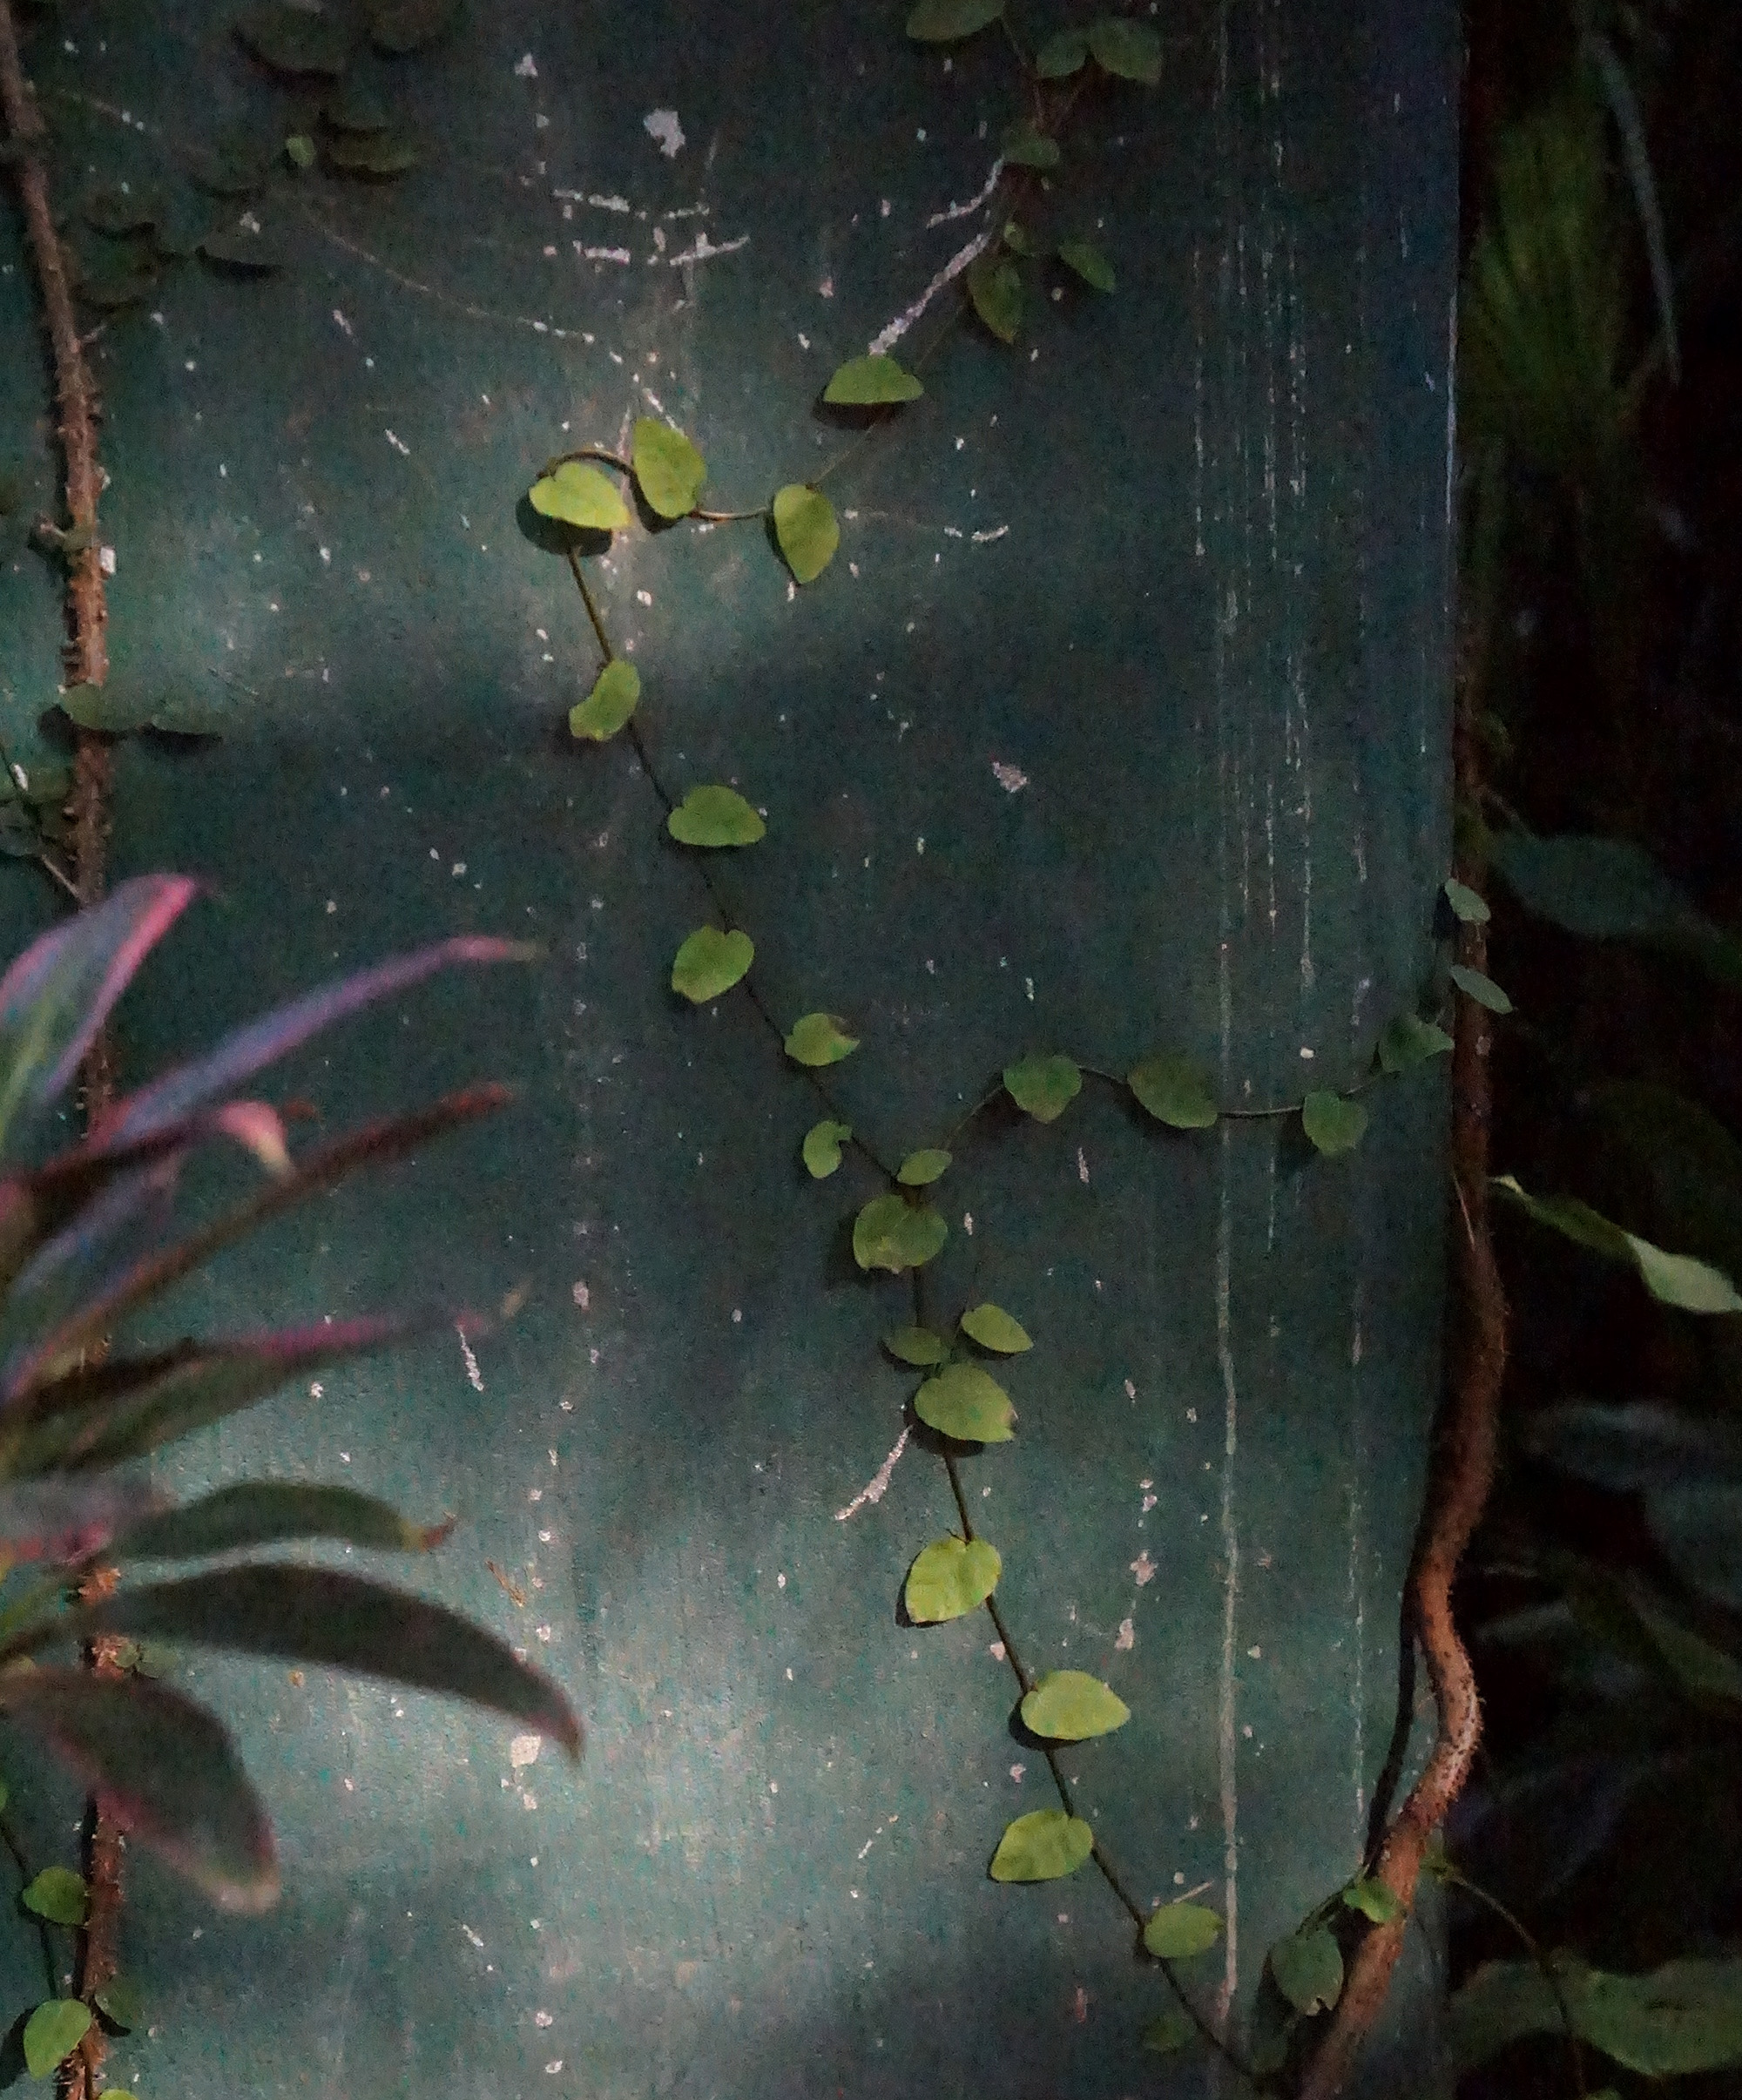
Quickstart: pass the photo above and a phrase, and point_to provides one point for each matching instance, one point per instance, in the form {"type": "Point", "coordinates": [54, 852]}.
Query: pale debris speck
{"type": "Point", "coordinates": [399, 445]}
{"type": "Point", "coordinates": [542, 2019]}
{"type": "Point", "coordinates": [1082, 1176]}
{"type": "Point", "coordinates": [527, 69]}
{"type": "Point", "coordinates": [997, 1652]}
{"type": "Point", "coordinates": [1017, 1771]}
{"type": "Point", "coordinates": [662, 126]}
{"type": "Point", "coordinates": [1256, 1653]}
{"type": "Point", "coordinates": [581, 1296]}
{"type": "Point", "coordinates": [1144, 1567]}
{"type": "Point", "coordinates": [1131, 1390]}
{"type": "Point", "coordinates": [525, 1749]}
{"type": "Point", "coordinates": [472, 1935]}
{"type": "Point", "coordinates": [1011, 778]}
{"type": "Point", "coordinates": [1127, 1637]}
{"type": "Point", "coordinates": [106, 560]}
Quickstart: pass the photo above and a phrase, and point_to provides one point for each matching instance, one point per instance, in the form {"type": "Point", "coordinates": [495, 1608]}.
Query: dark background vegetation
{"type": "Point", "coordinates": [1602, 1595]}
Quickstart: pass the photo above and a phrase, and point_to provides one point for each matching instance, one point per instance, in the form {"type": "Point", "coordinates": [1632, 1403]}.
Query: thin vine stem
{"type": "Point", "coordinates": [1533, 1947]}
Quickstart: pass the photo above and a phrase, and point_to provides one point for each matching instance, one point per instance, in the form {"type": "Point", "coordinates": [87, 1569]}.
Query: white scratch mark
{"type": "Point", "coordinates": [399, 445]}
{"type": "Point", "coordinates": [473, 1375]}
{"type": "Point", "coordinates": [1227, 1771]}
{"type": "Point", "coordinates": [604, 255]}
{"type": "Point", "coordinates": [892, 333]}
{"type": "Point", "coordinates": [878, 1486]}
{"type": "Point", "coordinates": [705, 249]}
{"type": "Point", "coordinates": [967, 209]}
{"type": "Point", "coordinates": [472, 1935]}
{"type": "Point", "coordinates": [985, 539]}
{"type": "Point", "coordinates": [1082, 1176]}
{"type": "Point", "coordinates": [662, 126]}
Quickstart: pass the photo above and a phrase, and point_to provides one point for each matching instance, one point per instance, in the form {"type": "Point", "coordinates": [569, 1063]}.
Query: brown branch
{"type": "Point", "coordinates": [87, 663]}
{"type": "Point", "coordinates": [1462, 1473]}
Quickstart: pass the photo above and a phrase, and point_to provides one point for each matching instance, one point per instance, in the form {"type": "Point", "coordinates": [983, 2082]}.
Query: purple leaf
{"type": "Point", "coordinates": [261, 1042]}
{"type": "Point", "coordinates": [65, 1520]}
{"type": "Point", "coordinates": [126, 1406]}
{"type": "Point", "coordinates": [58, 993]}
{"type": "Point", "coordinates": [316, 1615]}
{"type": "Point", "coordinates": [163, 1768]}
{"type": "Point", "coordinates": [268, 1512]}
{"type": "Point", "coordinates": [148, 1278]}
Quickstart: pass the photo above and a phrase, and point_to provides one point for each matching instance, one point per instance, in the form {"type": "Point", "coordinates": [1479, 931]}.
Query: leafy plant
{"type": "Point", "coordinates": [90, 1239]}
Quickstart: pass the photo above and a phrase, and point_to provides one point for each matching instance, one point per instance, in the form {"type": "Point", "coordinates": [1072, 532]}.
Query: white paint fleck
{"type": "Point", "coordinates": [1017, 1771]}
{"type": "Point", "coordinates": [1082, 1176]}
{"type": "Point", "coordinates": [997, 1652]}
{"type": "Point", "coordinates": [472, 1935]}
{"type": "Point", "coordinates": [878, 1486]}
{"type": "Point", "coordinates": [1127, 1637]}
{"type": "Point", "coordinates": [542, 2019]}
{"type": "Point", "coordinates": [984, 539]}
{"type": "Point", "coordinates": [523, 1749]}
{"type": "Point", "coordinates": [604, 255]}
{"type": "Point", "coordinates": [1144, 1567]}
{"type": "Point", "coordinates": [662, 126]}
{"type": "Point", "coordinates": [581, 1296]}
{"type": "Point", "coordinates": [527, 68]}
{"type": "Point", "coordinates": [1011, 778]}
{"type": "Point", "coordinates": [399, 445]}
{"type": "Point", "coordinates": [474, 1377]}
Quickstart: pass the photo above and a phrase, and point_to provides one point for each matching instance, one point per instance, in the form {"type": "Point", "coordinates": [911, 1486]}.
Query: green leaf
{"type": "Point", "coordinates": [1672, 1280]}
{"type": "Point", "coordinates": [293, 40]}
{"type": "Point", "coordinates": [107, 708]}
{"type": "Point", "coordinates": [1408, 1041]}
{"type": "Point", "coordinates": [372, 155]}
{"type": "Point", "coordinates": [820, 1039]}
{"type": "Point", "coordinates": [609, 705]}
{"type": "Point", "coordinates": [1334, 1125]}
{"type": "Point", "coordinates": [263, 1513]}
{"type": "Point", "coordinates": [1175, 1090]}
{"type": "Point", "coordinates": [1177, 1931]}
{"type": "Point", "coordinates": [994, 1329]}
{"type": "Point", "coordinates": [236, 249]}
{"type": "Point", "coordinates": [995, 287]}
{"type": "Point", "coordinates": [892, 1233]}
{"type": "Point", "coordinates": [919, 1170]}
{"type": "Point", "coordinates": [806, 530]}
{"type": "Point", "coordinates": [1482, 989]}
{"type": "Point", "coordinates": [579, 495]}
{"type": "Point", "coordinates": [950, 1577]}
{"type": "Point", "coordinates": [122, 2002]}
{"type": "Point", "coordinates": [53, 2032]}
{"type": "Point", "coordinates": [1024, 147]}
{"type": "Point", "coordinates": [235, 167]}
{"type": "Point", "coordinates": [1063, 53]}
{"type": "Point", "coordinates": [315, 1615]}
{"type": "Point", "coordinates": [1130, 49]}
{"type": "Point", "coordinates": [1015, 238]}
{"type": "Point", "coordinates": [354, 108]}
{"type": "Point", "coordinates": [404, 26]}
{"type": "Point", "coordinates": [59, 1896]}
{"type": "Point", "coordinates": [917, 1346]}
{"type": "Point", "coordinates": [967, 1403]}
{"type": "Point", "coordinates": [1042, 1846]}
{"type": "Point", "coordinates": [1601, 889]}
{"type": "Point", "coordinates": [822, 1146]}
{"type": "Point", "coordinates": [669, 468]}
{"type": "Point", "coordinates": [1090, 264]}
{"type": "Point", "coordinates": [1043, 1087]}
{"type": "Point", "coordinates": [873, 381]}
{"type": "Point", "coordinates": [298, 149]}
{"type": "Point", "coordinates": [949, 21]}
{"type": "Point", "coordinates": [1372, 1899]}
{"type": "Point", "coordinates": [715, 816]}
{"type": "Point", "coordinates": [1466, 906]}
{"type": "Point", "coordinates": [711, 963]}
{"type": "Point", "coordinates": [1071, 1706]}
{"type": "Point", "coordinates": [1676, 2021]}
{"type": "Point", "coordinates": [1170, 2031]}
{"type": "Point", "coordinates": [1308, 1969]}
{"type": "Point", "coordinates": [114, 208]}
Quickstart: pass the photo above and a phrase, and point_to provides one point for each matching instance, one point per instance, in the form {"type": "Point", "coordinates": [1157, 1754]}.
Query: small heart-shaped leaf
{"type": "Point", "coordinates": [1130, 50]}
{"type": "Point", "coordinates": [1175, 1090]}
{"type": "Point", "coordinates": [1483, 991]}
{"type": "Point", "coordinates": [53, 2032]}
{"type": "Point", "coordinates": [1409, 1040]}
{"type": "Point", "coordinates": [1090, 264]}
{"type": "Point", "coordinates": [668, 468]}
{"type": "Point", "coordinates": [711, 963]}
{"type": "Point", "coordinates": [1334, 1125]}
{"type": "Point", "coordinates": [1177, 1931]}
{"type": "Point", "coordinates": [994, 288]}
{"type": "Point", "coordinates": [822, 1146]}
{"type": "Point", "coordinates": [919, 1170]}
{"type": "Point", "coordinates": [892, 1233]}
{"type": "Point", "coordinates": [804, 526]}
{"type": "Point", "coordinates": [1043, 1847]}
{"type": "Point", "coordinates": [917, 1346]}
{"type": "Point", "coordinates": [1071, 1706]}
{"type": "Point", "coordinates": [950, 1577]}
{"type": "Point", "coordinates": [715, 816]}
{"type": "Point", "coordinates": [949, 21]}
{"type": "Point", "coordinates": [873, 381]}
{"type": "Point", "coordinates": [994, 1329]}
{"type": "Point", "coordinates": [820, 1039]}
{"type": "Point", "coordinates": [1043, 1087]}
{"type": "Point", "coordinates": [610, 704]}
{"type": "Point", "coordinates": [967, 1403]}
{"type": "Point", "coordinates": [579, 495]}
